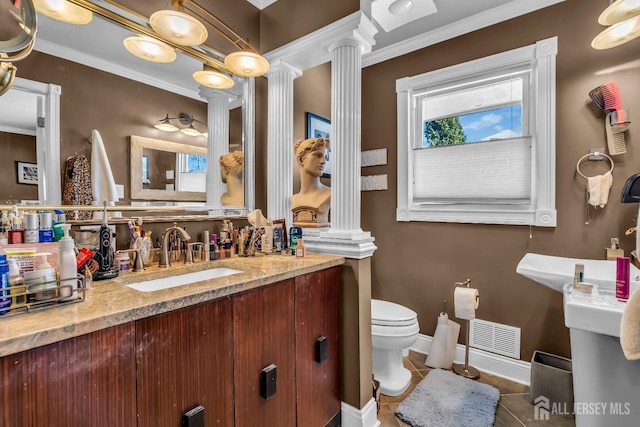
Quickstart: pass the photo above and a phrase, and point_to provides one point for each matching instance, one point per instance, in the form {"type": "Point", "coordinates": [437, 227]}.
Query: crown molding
{"type": "Point", "coordinates": [92, 61]}
{"type": "Point", "coordinates": [313, 49]}
{"type": "Point", "coordinates": [481, 20]}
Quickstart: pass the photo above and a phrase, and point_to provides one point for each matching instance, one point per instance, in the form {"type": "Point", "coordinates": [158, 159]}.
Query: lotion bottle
{"type": "Point", "coordinates": [67, 266]}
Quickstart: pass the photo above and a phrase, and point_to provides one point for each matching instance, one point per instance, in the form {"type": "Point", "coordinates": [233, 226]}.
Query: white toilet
{"type": "Point", "coordinates": [393, 329]}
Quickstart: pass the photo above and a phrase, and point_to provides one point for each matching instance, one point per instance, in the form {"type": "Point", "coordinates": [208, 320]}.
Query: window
{"type": "Point", "coordinates": [476, 141]}
{"type": "Point", "coordinates": [192, 172]}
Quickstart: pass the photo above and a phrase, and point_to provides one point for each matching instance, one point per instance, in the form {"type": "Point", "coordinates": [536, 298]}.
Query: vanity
{"type": "Point", "coordinates": [124, 357]}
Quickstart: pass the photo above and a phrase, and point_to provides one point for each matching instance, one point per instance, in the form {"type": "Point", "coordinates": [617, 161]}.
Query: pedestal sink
{"type": "Point", "coordinates": [554, 272]}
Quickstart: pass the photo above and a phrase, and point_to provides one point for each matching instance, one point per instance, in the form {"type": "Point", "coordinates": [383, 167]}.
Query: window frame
{"type": "Point", "coordinates": [541, 59]}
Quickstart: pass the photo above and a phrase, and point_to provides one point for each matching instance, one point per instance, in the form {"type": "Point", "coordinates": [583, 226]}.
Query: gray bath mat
{"type": "Point", "coordinates": [444, 399]}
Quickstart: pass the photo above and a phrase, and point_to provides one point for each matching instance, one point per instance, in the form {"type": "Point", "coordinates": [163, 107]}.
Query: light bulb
{"type": "Point", "coordinates": [401, 7]}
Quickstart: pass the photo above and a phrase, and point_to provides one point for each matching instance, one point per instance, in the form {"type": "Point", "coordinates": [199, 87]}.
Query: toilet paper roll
{"type": "Point", "coordinates": [466, 301]}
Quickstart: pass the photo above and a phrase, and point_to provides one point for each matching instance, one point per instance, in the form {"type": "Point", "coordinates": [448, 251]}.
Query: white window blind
{"type": "Point", "coordinates": [487, 172]}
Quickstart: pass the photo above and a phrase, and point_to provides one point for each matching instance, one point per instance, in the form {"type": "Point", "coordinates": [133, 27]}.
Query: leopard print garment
{"type": "Point", "coordinates": [76, 189]}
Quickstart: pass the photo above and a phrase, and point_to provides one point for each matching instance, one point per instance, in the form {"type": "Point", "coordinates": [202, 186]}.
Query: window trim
{"type": "Point", "coordinates": [542, 211]}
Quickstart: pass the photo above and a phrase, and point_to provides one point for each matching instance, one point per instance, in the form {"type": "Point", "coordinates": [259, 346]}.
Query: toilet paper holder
{"type": "Point", "coordinates": [466, 370]}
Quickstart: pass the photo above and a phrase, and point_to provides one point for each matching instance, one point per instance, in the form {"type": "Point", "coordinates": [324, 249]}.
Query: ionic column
{"type": "Point", "coordinates": [217, 141]}
{"type": "Point", "coordinates": [280, 140]}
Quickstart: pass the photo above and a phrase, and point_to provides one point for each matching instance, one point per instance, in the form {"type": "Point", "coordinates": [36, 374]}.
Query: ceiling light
{"type": "Point", "coordinates": [166, 125]}
{"type": "Point", "coordinates": [178, 27]}
{"type": "Point", "coordinates": [617, 34]}
{"type": "Point", "coordinates": [150, 49]}
{"type": "Point", "coordinates": [190, 130]}
{"type": "Point", "coordinates": [246, 64]}
{"type": "Point", "coordinates": [212, 78]}
{"type": "Point", "coordinates": [618, 11]}
{"type": "Point", "coordinates": [64, 11]}
{"type": "Point", "coordinates": [401, 7]}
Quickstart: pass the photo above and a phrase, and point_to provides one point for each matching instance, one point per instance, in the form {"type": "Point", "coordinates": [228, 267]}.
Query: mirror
{"type": "Point", "coordinates": [159, 171]}
{"type": "Point", "coordinates": [32, 108]}
{"type": "Point", "coordinates": [79, 41]}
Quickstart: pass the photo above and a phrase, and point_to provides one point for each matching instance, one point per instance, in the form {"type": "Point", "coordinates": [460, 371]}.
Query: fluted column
{"type": "Point", "coordinates": [346, 87]}
{"type": "Point", "coordinates": [218, 140]}
{"type": "Point", "coordinates": [249, 141]}
{"type": "Point", "coordinates": [280, 140]}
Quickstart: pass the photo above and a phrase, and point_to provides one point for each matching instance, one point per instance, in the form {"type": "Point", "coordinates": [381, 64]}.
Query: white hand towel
{"type": "Point", "coordinates": [465, 301]}
{"type": "Point", "coordinates": [630, 328]}
{"type": "Point", "coordinates": [598, 188]}
{"type": "Point", "coordinates": [102, 182]}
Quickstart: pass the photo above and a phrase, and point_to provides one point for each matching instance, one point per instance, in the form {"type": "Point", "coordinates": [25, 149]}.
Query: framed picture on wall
{"type": "Point", "coordinates": [319, 127]}
{"type": "Point", "coordinates": [27, 173]}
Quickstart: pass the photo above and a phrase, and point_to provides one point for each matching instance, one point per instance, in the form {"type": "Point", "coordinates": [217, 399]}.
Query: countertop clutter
{"type": "Point", "coordinates": [111, 302]}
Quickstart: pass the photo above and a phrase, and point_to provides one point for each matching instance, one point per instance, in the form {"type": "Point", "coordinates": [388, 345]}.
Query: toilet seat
{"type": "Point", "coordinates": [385, 313]}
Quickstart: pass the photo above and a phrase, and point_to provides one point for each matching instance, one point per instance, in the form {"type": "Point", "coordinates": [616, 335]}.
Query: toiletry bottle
{"type": "Point", "coordinates": [67, 266]}
{"type": "Point", "coordinates": [295, 233]}
{"type": "Point", "coordinates": [43, 280]}
{"type": "Point", "coordinates": [578, 275]}
{"type": "Point", "coordinates": [5, 301]}
{"type": "Point", "coordinates": [45, 233]}
{"type": "Point", "coordinates": [31, 232]}
{"type": "Point", "coordinates": [16, 281]}
{"type": "Point", "coordinates": [15, 234]}
{"type": "Point", "coordinates": [4, 236]}
{"type": "Point", "coordinates": [59, 219]}
{"type": "Point", "coordinates": [623, 269]}
{"type": "Point", "coordinates": [301, 249]}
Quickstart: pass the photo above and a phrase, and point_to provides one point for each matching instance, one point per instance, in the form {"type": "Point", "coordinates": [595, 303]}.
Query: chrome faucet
{"type": "Point", "coordinates": [165, 261]}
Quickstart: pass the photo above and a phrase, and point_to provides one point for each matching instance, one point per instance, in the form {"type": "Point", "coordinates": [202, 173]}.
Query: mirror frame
{"type": "Point", "coordinates": [138, 192]}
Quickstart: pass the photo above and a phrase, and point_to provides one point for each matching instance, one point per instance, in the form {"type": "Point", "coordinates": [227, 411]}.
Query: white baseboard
{"type": "Point", "coordinates": [365, 417]}
{"type": "Point", "coordinates": [501, 366]}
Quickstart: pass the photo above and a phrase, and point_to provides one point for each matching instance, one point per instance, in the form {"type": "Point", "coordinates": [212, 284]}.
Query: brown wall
{"type": "Point", "coordinates": [16, 148]}
{"type": "Point", "coordinates": [288, 20]}
{"type": "Point", "coordinates": [416, 263]}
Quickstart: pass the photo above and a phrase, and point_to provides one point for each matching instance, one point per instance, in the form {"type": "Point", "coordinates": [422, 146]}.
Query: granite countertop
{"type": "Point", "coordinates": [111, 302]}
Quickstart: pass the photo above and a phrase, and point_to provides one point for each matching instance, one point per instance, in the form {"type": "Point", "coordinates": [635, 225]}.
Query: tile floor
{"type": "Point", "coordinates": [514, 409]}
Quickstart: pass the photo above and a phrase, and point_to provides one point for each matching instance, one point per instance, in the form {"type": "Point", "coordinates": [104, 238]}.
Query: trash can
{"type": "Point", "coordinates": [551, 385]}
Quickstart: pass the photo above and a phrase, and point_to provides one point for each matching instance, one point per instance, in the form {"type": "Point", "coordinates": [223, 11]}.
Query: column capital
{"type": "Point", "coordinates": [208, 93]}
{"type": "Point", "coordinates": [279, 66]}
{"type": "Point", "coordinates": [361, 36]}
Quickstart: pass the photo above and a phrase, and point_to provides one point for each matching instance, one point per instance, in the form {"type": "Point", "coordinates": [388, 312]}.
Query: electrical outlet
{"type": "Point", "coordinates": [374, 157]}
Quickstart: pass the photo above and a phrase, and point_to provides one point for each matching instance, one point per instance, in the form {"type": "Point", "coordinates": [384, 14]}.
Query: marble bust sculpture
{"type": "Point", "coordinates": [232, 174]}
{"type": "Point", "coordinates": [312, 204]}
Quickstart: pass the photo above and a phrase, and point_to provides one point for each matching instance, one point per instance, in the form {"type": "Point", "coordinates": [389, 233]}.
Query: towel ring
{"type": "Point", "coordinates": [595, 153]}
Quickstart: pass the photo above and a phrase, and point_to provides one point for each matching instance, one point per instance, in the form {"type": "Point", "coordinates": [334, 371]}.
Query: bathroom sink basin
{"type": "Point", "coordinates": [182, 279]}
{"type": "Point", "coordinates": [554, 272]}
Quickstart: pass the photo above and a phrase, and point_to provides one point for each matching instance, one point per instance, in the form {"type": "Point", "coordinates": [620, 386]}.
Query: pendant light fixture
{"type": "Point", "coordinates": [181, 29]}
{"type": "Point", "coordinates": [212, 78]}
{"type": "Point", "coordinates": [63, 11]}
{"type": "Point", "coordinates": [246, 64]}
{"type": "Point", "coordinates": [623, 16]}
{"type": "Point", "coordinates": [150, 49]}
{"type": "Point", "coordinates": [178, 27]}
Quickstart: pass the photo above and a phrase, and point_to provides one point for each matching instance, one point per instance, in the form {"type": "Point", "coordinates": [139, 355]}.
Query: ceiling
{"type": "Point", "coordinates": [99, 44]}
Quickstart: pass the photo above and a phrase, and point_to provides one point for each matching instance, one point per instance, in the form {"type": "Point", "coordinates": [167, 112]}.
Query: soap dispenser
{"type": "Point", "coordinates": [67, 266]}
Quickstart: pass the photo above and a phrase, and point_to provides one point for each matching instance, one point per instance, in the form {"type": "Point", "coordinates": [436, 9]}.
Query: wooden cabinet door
{"type": "Point", "coordinates": [83, 381]}
{"type": "Point", "coordinates": [317, 308]}
{"type": "Point", "coordinates": [184, 360]}
{"type": "Point", "coordinates": [264, 335]}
